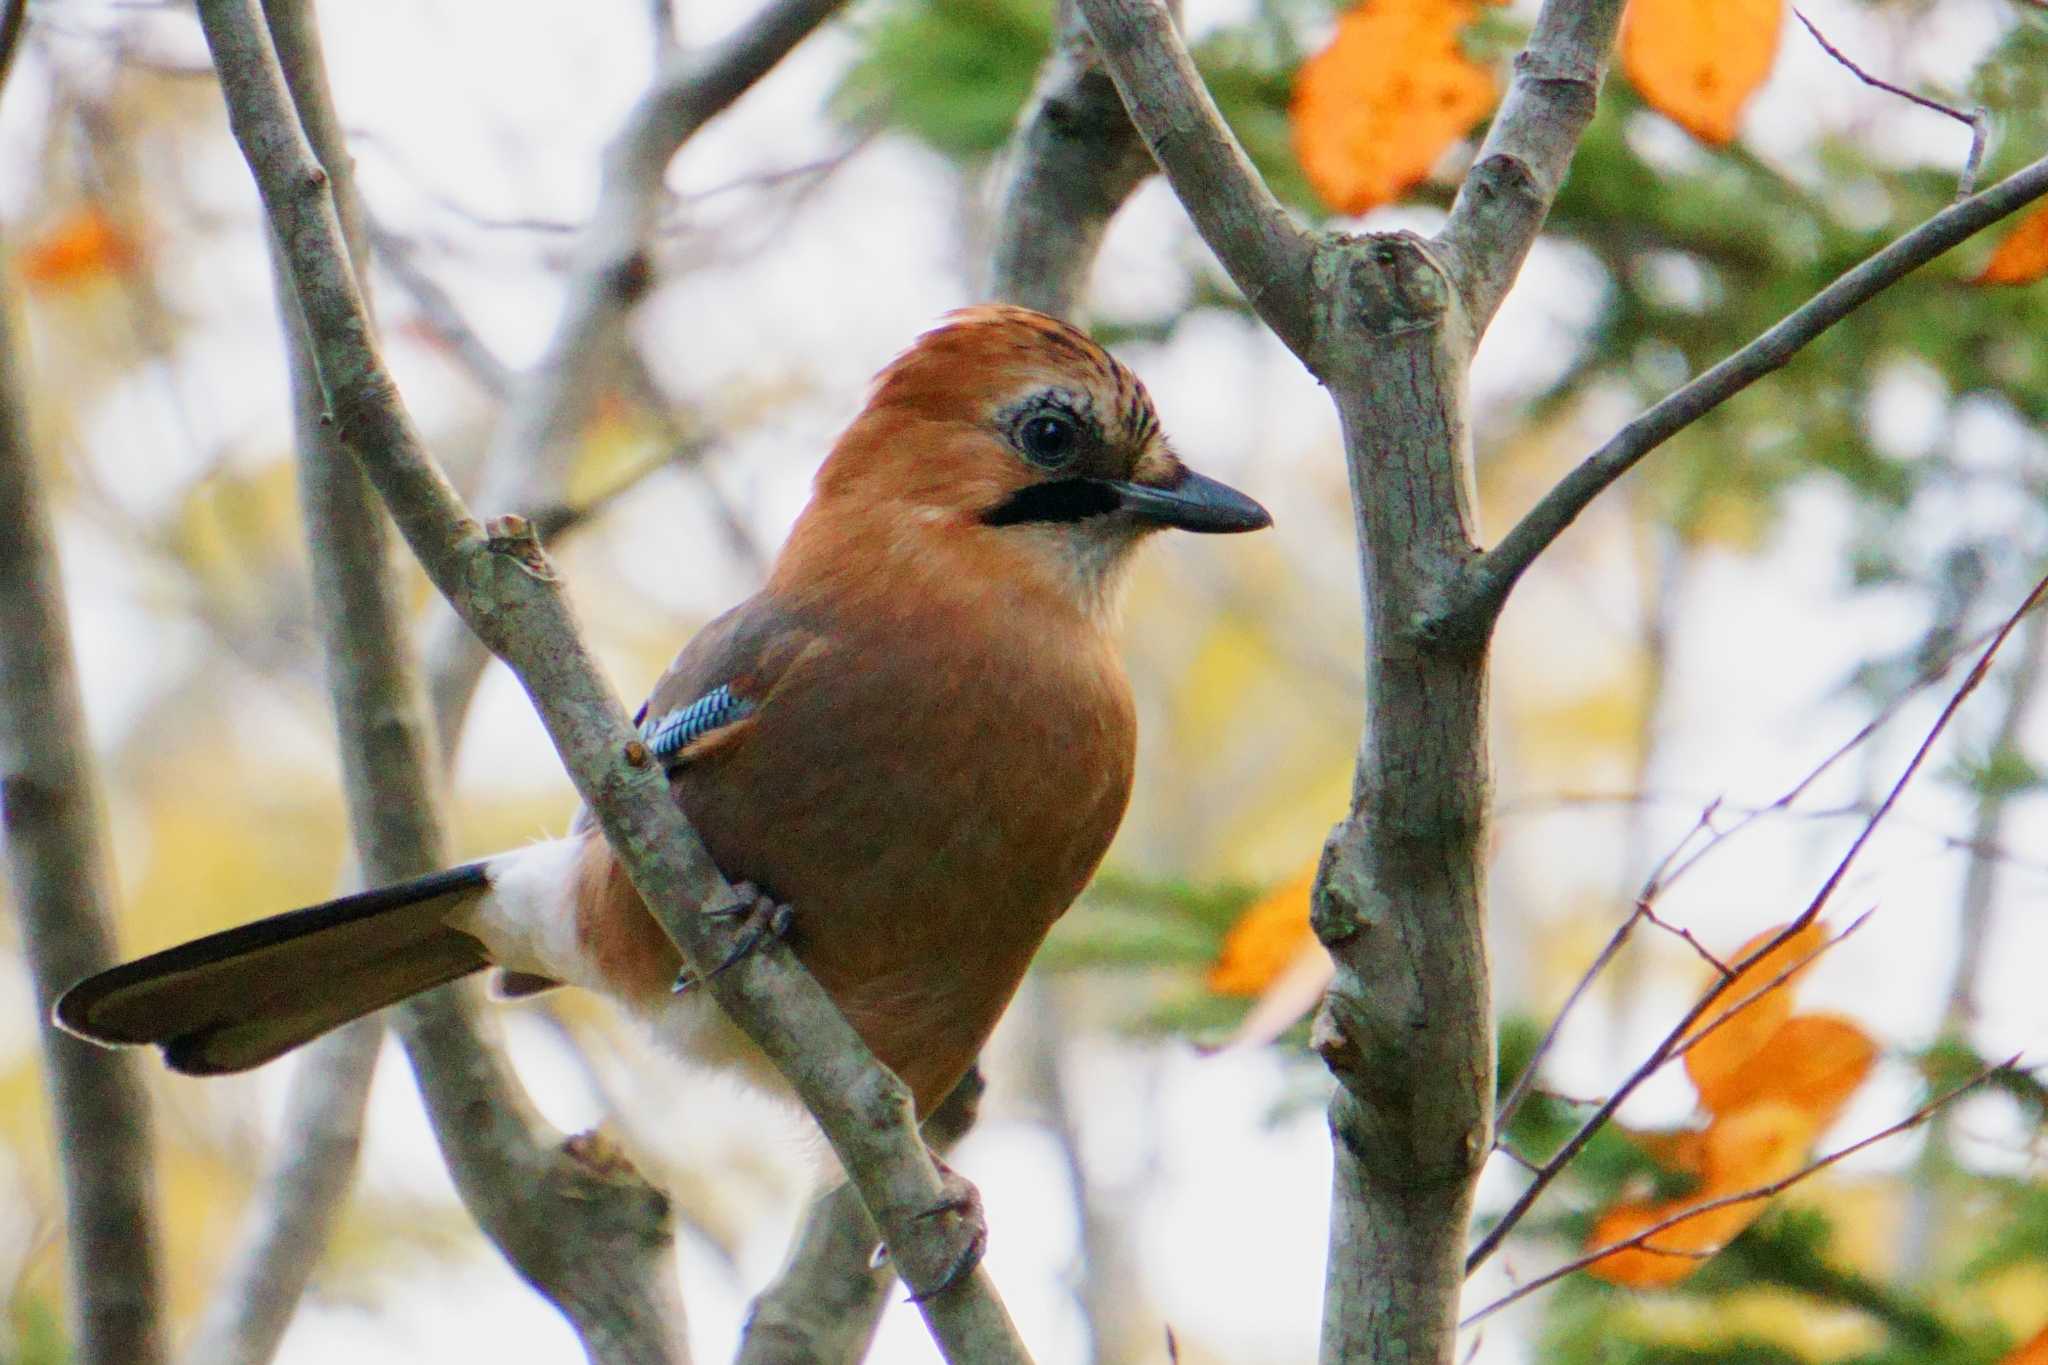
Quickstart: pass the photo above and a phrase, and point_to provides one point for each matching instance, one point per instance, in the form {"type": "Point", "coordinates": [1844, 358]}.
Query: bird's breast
{"type": "Point", "coordinates": [929, 810]}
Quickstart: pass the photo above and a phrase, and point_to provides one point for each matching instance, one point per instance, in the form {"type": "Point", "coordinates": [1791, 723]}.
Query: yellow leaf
{"type": "Point", "coordinates": [1377, 108]}
{"type": "Point", "coordinates": [1698, 61]}
{"type": "Point", "coordinates": [2022, 257]}
{"type": "Point", "coordinates": [1716, 1058]}
{"type": "Point", "coordinates": [1264, 940]}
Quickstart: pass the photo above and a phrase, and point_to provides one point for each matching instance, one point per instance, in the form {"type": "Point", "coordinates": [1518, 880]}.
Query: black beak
{"type": "Point", "coordinates": [1196, 503]}
{"type": "Point", "coordinates": [1193, 503]}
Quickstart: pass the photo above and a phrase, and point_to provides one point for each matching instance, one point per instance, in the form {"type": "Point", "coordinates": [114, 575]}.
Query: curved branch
{"type": "Point", "coordinates": [1267, 253]}
{"type": "Point", "coordinates": [508, 592]}
{"type": "Point", "coordinates": [1073, 161]}
{"type": "Point", "coordinates": [49, 806]}
{"type": "Point", "coordinates": [1485, 585]}
{"type": "Point", "coordinates": [1508, 192]}
{"type": "Point", "coordinates": [525, 465]}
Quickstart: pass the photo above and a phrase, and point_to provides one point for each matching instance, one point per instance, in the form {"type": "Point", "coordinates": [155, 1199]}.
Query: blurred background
{"type": "Point", "coordinates": [1801, 564]}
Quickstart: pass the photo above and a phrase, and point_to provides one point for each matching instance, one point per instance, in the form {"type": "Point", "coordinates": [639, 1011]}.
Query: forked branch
{"type": "Point", "coordinates": [1488, 581]}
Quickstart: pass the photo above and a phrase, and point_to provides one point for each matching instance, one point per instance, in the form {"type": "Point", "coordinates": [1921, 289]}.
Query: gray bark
{"type": "Point", "coordinates": [49, 809]}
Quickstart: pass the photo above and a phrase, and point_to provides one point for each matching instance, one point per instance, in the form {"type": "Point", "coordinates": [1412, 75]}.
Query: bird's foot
{"type": "Point", "coordinates": [762, 918]}
{"type": "Point", "coordinates": [960, 1204]}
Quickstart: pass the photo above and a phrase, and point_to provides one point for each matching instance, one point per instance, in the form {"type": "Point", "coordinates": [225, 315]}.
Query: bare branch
{"type": "Point", "coordinates": [505, 588]}
{"type": "Point", "coordinates": [1526, 1082]}
{"type": "Point", "coordinates": [1074, 160]}
{"type": "Point", "coordinates": [823, 1307]}
{"type": "Point", "coordinates": [49, 808]}
{"type": "Point", "coordinates": [297, 1202]}
{"type": "Point", "coordinates": [573, 1217]}
{"type": "Point", "coordinates": [1642, 1239]}
{"type": "Point", "coordinates": [1977, 120]}
{"type": "Point", "coordinates": [525, 466]}
{"type": "Point", "coordinates": [1266, 252]}
{"type": "Point", "coordinates": [1677, 1041]}
{"type": "Point", "coordinates": [1508, 192]}
{"type": "Point", "coordinates": [1488, 581]}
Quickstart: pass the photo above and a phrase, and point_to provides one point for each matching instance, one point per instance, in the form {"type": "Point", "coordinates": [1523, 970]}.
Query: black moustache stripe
{"type": "Point", "coordinates": [1060, 500]}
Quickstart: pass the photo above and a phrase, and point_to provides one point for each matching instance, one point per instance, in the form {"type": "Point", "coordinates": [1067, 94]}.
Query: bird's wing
{"type": "Point", "coordinates": [712, 693]}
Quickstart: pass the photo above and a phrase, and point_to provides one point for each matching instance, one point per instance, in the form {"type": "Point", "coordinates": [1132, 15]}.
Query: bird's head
{"type": "Point", "coordinates": [1008, 437]}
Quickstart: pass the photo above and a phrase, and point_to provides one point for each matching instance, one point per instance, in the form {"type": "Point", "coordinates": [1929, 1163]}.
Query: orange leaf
{"type": "Point", "coordinates": [2033, 1351]}
{"type": "Point", "coordinates": [1714, 1059]}
{"type": "Point", "coordinates": [1264, 940]}
{"type": "Point", "coordinates": [2022, 257]}
{"type": "Point", "coordinates": [1680, 1150]}
{"type": "Point", "coordinates": [1698, 61]}
{"type": "Point", "coordinates": [1676, 1252]}
{"type": "Point", "coordinates": [1814, 1061]}
{"type": "Point", "coordinates": [1378, 107]}
{"type": "Point", "coordinates": [1757, 1146]}
{"type": "Point", "coordinates": [78, 248]}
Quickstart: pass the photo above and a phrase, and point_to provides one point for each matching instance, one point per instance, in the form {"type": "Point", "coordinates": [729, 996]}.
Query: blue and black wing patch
{"type": "Point", "coordinates": [668, 734]}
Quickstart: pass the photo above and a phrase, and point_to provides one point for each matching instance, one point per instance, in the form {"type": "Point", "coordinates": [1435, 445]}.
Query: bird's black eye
{"type": "Point", "coordinates": [1048, 439]}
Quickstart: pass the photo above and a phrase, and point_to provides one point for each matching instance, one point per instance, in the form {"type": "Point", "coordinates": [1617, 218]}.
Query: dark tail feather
{"type": "Point", "coordinates": [238, 998]}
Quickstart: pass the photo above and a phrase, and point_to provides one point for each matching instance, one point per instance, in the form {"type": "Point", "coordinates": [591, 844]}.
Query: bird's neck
{"type": "Point", "coordinates": [929, 565]}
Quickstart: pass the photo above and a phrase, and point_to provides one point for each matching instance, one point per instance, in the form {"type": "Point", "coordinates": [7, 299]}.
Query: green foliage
{"type": "Point", "coordinates": [951, 75]}
{"type": "Point", "coordinates": [35, 1334]}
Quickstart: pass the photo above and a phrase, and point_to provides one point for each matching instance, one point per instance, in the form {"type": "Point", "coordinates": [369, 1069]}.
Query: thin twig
{"type": "Point", "coordinates": [1525, 1082]}
{"type": "Point", "coordinates": [1486, 584]}
{"type": "Point", "coordinates": [1673, 1040]}
{"type": "Point", "coordinates": [1686, 934]}
{"type": "Point", "coordinates": [1775, 1187]}
{"type": "Point", "coordinates": [1977, 119]}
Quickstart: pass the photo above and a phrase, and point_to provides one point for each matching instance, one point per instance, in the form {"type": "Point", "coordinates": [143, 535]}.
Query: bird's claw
{"type": "Point", "coordinates": [765, 918]}
{"type": "Point", "coordinates": [959, 1199]}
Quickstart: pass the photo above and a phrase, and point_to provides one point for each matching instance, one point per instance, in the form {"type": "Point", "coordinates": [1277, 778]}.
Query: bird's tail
{"type": "Point", "coordinates": [236, 999]}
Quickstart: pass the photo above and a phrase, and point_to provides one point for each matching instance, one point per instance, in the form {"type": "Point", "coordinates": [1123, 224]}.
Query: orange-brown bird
{"type": "Point", "coordinates": [916, 741]}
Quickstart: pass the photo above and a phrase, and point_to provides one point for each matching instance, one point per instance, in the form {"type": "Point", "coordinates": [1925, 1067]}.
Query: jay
{"type": "Point", "coordinates": [910, 750]}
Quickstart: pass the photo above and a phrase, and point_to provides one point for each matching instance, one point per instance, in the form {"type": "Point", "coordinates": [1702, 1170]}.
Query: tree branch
{"type": "Point", "coordinates": [526, 463]}
{"type": "Point", "coordinates": [1487, 582]}
{"type": "Point", "coordinates": [1265, 251]}
{"type": "Point", "coordinates": [1074, 159]}
{"type": "Point", "coordinates": [1528, 150]}
{"type": "Point", "coordinates": [1681, 1036]}
{"type": "Point", "coordinates": [573, 1217]}
{"type": "Point", "coordinates": [50, 811]}
{"type": "Point", "coordinates": [823, 1307]}
{"type": "Point", "coordinates": [505, 588]}
{"type": "Point", "coordinates": [296, 1204]}
{"type": "Point", "coordinates": [1642, 1238]}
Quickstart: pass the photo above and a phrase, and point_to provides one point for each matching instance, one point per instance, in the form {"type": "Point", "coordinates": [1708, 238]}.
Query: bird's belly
{"type": "Point", "coordinates": [923, 880]}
